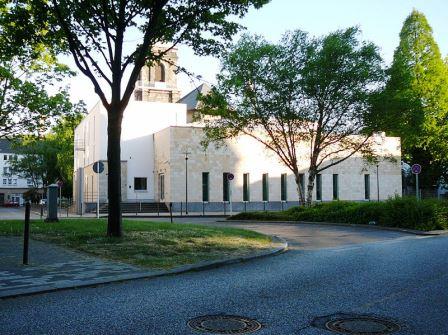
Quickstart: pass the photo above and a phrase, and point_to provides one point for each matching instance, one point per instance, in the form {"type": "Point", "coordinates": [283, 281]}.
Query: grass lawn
{"type": "Point", "coordinates": [157, 245]}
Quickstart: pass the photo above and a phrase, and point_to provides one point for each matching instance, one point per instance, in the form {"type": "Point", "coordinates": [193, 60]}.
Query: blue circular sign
{"type": "Point", "coordinates": [230, 176]}
{"type": "Point", "coordinates": [416, 168]}
{"type": "Point", "coordinates": [98, 167]}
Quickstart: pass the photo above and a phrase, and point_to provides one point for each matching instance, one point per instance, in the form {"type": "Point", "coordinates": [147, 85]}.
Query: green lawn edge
{"type": "Point", "coordinates": [156, 245]}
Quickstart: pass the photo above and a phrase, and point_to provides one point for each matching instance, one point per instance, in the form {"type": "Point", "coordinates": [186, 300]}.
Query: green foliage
{"type": "Point", "coordinates": [48, 158]}
{"type": "Point", "coordinates": [302, 91]}
{"type": "Point", "coordinates": [414, 104]}
{"type": "Point", "coordinates": [397, 212]}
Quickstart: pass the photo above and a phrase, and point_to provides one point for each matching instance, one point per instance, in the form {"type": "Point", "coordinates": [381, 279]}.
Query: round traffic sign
{"type": "Point", "coordinates": [416, 168]}
{"type": "Point", "coordinates": [230, 176]}
{"type": "Point", "coordinates": [98, 167]}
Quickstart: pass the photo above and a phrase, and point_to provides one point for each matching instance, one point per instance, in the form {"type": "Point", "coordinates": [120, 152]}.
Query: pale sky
{"type": "Point", "coordinates": [379, 20]}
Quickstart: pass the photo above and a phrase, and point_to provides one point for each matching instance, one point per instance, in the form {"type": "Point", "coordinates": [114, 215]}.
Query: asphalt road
{"type": "Point", "coordinates": [400, 277]}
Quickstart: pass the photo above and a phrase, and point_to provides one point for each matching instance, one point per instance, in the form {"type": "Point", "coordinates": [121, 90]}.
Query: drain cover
{"type": "Point", "coordinates": [357, 324]}
{"type": "Point", "coordinates": [224, 324]}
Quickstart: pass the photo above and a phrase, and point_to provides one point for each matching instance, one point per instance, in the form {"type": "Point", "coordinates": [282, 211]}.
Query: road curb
{"type": "Point", "coordinates": [281, 246]}
{"type": "Point", "coordinates": [401, 230]}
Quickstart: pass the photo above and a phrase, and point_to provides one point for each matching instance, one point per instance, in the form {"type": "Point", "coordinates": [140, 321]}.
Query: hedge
{"type": "Point", "coordinates": [397, 212]}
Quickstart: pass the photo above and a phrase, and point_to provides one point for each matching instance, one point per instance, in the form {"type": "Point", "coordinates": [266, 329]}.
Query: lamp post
{"type": "Point", "coordinates": [377, 183]}
{"type": "Point", "coordinates": [186, 181]}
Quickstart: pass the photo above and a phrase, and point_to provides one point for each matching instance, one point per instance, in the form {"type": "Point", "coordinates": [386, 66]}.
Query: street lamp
{"type": "Point", "coordinates": [377, 183]}
{"type": "Point", "coordinates": [186, 153]}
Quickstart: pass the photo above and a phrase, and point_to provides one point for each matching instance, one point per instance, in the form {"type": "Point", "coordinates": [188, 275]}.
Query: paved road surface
{"type": "Point", "coordinates": [403, 277]}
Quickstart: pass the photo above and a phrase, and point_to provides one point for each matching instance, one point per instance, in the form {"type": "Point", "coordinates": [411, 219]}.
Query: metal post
{"type": "Point", "coordinates": [224, 203]}
{"type": "Point", "coordinates": [158, 208]}
{"type": "Point", "coordinates": [281, 202]}
{"type": "Point", "coordinates": [98, 194]}
{"type": "Point", "coordinates": [26, 233]}
{"type": "Point", "coordinates": [203, 208]}
{"type": "Point", "coordinates": [417, 193]}
{"type": "Point", "coordinates": [377, 183]}
{"type": "Point", "coordinates": [186, 183]}
{"type": "Point", "coordinates": [41, 211]}
{"type": "Point", "coordinates": [230, 197]}
{"type": "Point", "coordinates": [181, 209]}
{"type": "Point", "coordinates": [171, 212]}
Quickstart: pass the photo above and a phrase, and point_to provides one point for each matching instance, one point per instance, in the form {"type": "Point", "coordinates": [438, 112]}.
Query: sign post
{"type": "Point", "coordinates": [416, 169]}
{"type": "Point", "coordinates": [230, 177]}
{"type": "Point", "coordinates": [98, 168]}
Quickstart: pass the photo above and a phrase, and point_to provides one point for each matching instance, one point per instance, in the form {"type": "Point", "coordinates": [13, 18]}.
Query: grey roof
{"type": "Point", "coordinates": [5, 145]}
{"type": "Point", "coordinates": [191, 99]}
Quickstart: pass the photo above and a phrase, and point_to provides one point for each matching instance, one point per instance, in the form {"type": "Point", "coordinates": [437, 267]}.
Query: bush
{"type": "Point", "coordinates": [396, 212]}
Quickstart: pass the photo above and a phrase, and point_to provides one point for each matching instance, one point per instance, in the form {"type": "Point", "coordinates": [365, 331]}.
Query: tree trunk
{"type": "Point", "coordinates": [114, 222]}
{"type": "Point", "coordinates": [300, 191]}
{"type": "Point", "coordinates": [310, 186]}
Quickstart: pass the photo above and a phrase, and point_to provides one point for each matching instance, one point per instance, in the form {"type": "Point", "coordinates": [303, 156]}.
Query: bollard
{"type": "Point", "coordinates": [171, 212]}
{"type": "Point", "coordinates": [26, 233]}
{"type": "Point", "coordinates": [181, 208]}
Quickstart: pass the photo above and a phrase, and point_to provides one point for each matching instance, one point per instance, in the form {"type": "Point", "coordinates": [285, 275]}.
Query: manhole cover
{"type": "Point", "coordinates": [224, 324]}
{"type": "Point", "coordinates": [357, 324]}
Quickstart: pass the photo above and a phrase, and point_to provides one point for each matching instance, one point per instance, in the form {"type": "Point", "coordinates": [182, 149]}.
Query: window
{"type": "Point", "coordinates": [5, 170]}
{"type": "Point", "coordinates": [319, 187]}
{"type": "Point", "coordinates": [367, 186]}
{"type": "Point", "coordinates": [161, 186]}
{"type": "Point", "coordinates": [9, 181]}
{"type": "Point", "coordinates": [335, 187]}
{"type": "Point", "coordinates": [283, 187]}
{"type": "Point", "coordinates": [29, 181]}
{"type": "Point", "coordinates": [4, 181]}
{"type": "Point", "coordinates": [205, 186]}
{"type": "Point", "coordinates": [14, 181]}
{"type": "Point", "coordinates": [5, 157]}
{"type": "Point", "coordinates": [11, 157]}
{"type": "Point", "coordinates": [302, 183]}
{"type": "Point", "coordinates": [246, 190]}
{"type": "Point", "coordinates": [138, 95]}
{"type": "Point", "coordinates": [265, 183]}
{"type": "Point", "coordinates": [159, 73]}
{"type": "Point", "coordinates": [140, 184]}
{"type": "Point", "coordinates": [225, 187]}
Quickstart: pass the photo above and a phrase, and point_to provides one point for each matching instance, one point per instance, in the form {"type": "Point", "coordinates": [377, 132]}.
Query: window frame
{"type": "Point", "coordinates": [367, 193]}
{"type": "Point", "coordinates": [335, 186]}
{"type": "Point", "coordinates": [265, 187]}
{"type": "Point", "coordinates": [318, 187]}
{"type": "Point", "coordinates": [284, 187]}
{"type": "Point", "coordinates": [145, 184]}
{"type": "Point", "coordinates": [246, 187]}
{"type": "Point", "coordinates": [205, 186]}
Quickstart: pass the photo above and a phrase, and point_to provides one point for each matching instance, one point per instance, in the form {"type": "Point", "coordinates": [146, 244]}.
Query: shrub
{"type": "Point", "coordinates": [395, 212]}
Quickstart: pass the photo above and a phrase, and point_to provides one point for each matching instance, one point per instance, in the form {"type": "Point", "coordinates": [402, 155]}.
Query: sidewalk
{"type": "Point", "coordinates": [52, 268]}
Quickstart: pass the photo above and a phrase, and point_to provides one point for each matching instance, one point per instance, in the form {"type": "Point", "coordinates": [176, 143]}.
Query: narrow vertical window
{"type": "Point", "coordinates": [319, 187]}
{"type": "Point", "coordinates": [205, 186]}
{"type": "Point", "coordinates": [367, 186]}
{"type": "Point", "coordinates": [302, 183]}
{"type": "Point", "coordinates": [246, 193]}
{"type": "Point", "coordinates": [283, 187]}
{"type": "Point", "coordinates": [159, 72]}
{"type": "Point", "coordinates": [225, 187]}
{"type": "Point", "coordinates": [161, 186]}
{"type": "Point", "coordinates": [265, 183]}
{"type": "Point", "coordinates": [335, 187]}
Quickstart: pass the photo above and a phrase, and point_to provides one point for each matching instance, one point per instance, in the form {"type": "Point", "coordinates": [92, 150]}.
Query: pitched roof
{"type": "Point", "coordinates": [5, 145]}
{"type": "Point", "coordinates": [191, 99]}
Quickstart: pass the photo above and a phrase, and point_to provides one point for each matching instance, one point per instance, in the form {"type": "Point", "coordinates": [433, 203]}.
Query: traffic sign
{"type": "Point", "coordinates": [416, 168]}
{"type": "Point", "coordinates": [60, 183]}
{"type": "Point", "coordinates": [230, 176]}
{"type": "Point", "coordinates": [98, 167]}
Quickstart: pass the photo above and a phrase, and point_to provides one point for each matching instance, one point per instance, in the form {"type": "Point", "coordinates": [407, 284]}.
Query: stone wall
{"type": "Point", "coordinates": [245, 155]}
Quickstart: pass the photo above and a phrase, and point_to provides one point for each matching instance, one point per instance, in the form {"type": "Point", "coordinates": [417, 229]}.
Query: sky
{"type": "Point", "coordinates": [379, 20]}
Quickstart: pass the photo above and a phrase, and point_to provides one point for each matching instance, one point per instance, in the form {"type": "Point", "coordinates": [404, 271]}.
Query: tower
{"type": "Point", "coordinates": [157, 82]}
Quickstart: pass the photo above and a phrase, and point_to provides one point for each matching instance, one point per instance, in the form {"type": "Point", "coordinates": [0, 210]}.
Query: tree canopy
{"type": "Point", "coordinates": [110, 41]}
{"type": "Point", "coordinates": [414, 104]}
{"type": "Point", "coordinates": [303, 91]}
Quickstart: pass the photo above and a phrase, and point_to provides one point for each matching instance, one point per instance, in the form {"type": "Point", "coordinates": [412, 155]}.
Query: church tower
{"type": "Point", "coordinates": [158, 82]}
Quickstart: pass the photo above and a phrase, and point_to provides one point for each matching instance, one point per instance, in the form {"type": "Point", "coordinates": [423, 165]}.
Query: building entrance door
{"type": "Point", "coordinates": [2, 199]}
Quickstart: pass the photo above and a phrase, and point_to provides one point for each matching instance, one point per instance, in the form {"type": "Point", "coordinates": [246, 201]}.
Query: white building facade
{"type": "Point", "coordinates": [158, 134]}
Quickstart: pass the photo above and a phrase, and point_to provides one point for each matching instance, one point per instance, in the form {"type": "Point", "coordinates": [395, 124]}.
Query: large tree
{"type": "Point", "coordinates": [304, 98]}
{"type": "Point", "coordinates": [111, 41]}
{"type": "Point", "coordinates": [28, 68]}
{"type": "Point", "coordinates": [414, 104]}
